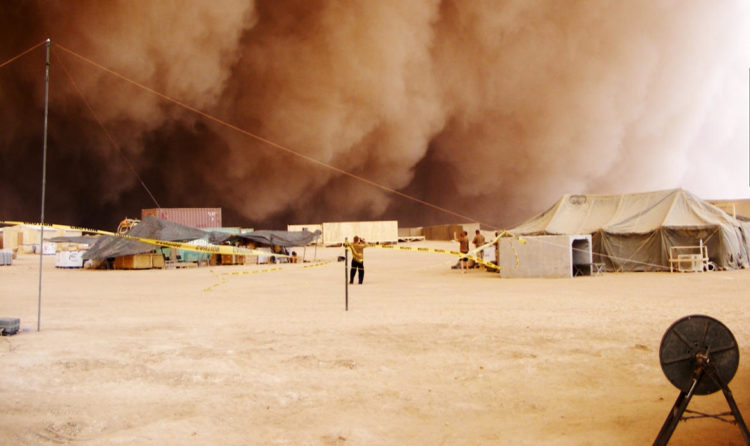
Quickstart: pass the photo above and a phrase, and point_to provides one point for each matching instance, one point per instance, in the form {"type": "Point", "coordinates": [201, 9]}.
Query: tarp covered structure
{"type": "Point", "coordinates": [151, 228]}
{"type": "Point", "coordinates": [634, 232]}
{"type": "Point", "coordinates": [284, 239]}
{"type": "Point", "coordinates": [158, 229]}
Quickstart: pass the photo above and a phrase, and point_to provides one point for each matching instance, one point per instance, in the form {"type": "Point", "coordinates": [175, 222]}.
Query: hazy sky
{"type": "Point", "coordinates": [491, 109]}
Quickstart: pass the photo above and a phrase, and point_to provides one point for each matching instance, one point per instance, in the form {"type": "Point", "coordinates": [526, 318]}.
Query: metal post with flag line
{"type": "Point", "coordinates": [346, 277]}
{"type": "Point", "coordinates": [44, 185]}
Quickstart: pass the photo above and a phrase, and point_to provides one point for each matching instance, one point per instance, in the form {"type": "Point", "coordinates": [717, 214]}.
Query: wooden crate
{"type": "Point", "coordinates": [139, 261]}
{"type": "Point", "coordinates": [157, 261]}
{"type": "Point", "coordinates": [232, 259]}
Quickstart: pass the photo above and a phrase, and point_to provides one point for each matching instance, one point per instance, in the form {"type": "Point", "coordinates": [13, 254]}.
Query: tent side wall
{"type": "Point", "coordinates": [633, 252]}
{"type": "Point", "coordinates": [650, 251]}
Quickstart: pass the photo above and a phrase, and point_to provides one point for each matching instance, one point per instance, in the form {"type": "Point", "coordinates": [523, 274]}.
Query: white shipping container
{"type": "Point", "coordinates": [69, 259]}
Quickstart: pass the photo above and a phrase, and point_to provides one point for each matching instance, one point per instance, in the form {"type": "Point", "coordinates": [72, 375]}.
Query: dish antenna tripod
{"type": "Point", "coordinates": [699, 355]}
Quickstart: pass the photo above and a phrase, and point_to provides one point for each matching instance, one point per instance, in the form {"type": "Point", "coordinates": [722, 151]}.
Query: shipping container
{"type": "Point", "coordinates": [200, 218]}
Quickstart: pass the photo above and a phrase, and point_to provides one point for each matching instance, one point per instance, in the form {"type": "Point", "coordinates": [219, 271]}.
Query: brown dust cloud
{"type": "Point", "coordinates": [488, 109]}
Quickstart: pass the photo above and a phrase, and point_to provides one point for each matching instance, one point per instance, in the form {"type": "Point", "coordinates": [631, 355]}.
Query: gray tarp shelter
{"type": "Point", "coordinates": [159, 229]}
{"type": "Point", "coordinates": [152, 228]}
{"type": "Point", "coordinates": [634, 232]}
{"type": "Point", "coordinates": [284, 239]}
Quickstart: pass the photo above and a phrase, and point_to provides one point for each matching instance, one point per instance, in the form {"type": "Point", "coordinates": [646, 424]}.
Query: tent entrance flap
{"type": "Point", "coordinates": [581, 249]}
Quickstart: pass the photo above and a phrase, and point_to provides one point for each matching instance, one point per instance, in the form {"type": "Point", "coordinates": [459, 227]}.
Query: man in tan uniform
{"type": "Point", "coordinates": [479, 241]}
{"type": "Point", "coordinates": [358, 258]}
{"type": "Point", "coordinates": [463, 244]}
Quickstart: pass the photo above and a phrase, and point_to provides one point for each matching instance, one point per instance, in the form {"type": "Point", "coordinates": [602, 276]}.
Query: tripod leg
{"type": "Point", "coordinates": [732, 404]}
{"type": "Point", "coordinates": [735, 411]}
{"type": "Point", "coordinates": [672, 419]}
{"type": "Point", "coordinates": [675, 415]}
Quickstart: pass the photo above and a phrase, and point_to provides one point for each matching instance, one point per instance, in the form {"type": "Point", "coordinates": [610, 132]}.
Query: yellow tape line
{"type": "Point", "coordinates": [233, 250]}
{"type": "Point", "coordinates": [470, 255]}
{"type": "Point", "coordinates": [438, 251]}
{"type": "Point", "coordinates": [268, 270]}
{"type": "Point", "coordinates": [209, 249]}
{"type": "Point", "coordinates": [223, 280]}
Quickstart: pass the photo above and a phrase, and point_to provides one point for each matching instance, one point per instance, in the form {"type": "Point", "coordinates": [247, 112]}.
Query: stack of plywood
{"type": "Point", "coordinates": [410, 234]}
{"type": "Point", "coordinates": [445, 232]}
{"type": "Point", "coordinates": [371, 231]}
{"type": "Point", "coordinates": [27, 238]}
{"type": "Point", "coordinates": [140, 261]}
{"type": "Point", "coordinates": [238, 259]}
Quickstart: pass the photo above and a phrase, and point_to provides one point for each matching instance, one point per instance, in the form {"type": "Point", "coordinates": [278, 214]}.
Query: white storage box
{"type": "Point", "coordinates": [69, 259]}
{"type": "Point", "coordinates": [6, 257]}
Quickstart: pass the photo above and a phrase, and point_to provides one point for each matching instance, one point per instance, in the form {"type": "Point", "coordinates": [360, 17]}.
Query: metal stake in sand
{"type": "Point", "coordinates": [44, 186]}
{"type": "Point", "coordinates": [346, 277]}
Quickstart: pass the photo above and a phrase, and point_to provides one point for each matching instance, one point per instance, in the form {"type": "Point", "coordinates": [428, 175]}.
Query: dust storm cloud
{"type": "Point", "coordinates": [491, 109]}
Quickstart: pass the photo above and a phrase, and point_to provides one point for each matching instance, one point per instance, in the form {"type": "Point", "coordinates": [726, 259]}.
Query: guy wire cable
{"type": "Point", "coordinates": [268, 141]}
{"type": "Point", "coordinates": [18, 56]}
{"type": "Point", "coordinates": [104, 129]}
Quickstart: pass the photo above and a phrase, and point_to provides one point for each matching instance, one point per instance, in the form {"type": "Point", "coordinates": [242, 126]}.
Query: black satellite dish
{"type": "Point", "coordinates": [699, 356]}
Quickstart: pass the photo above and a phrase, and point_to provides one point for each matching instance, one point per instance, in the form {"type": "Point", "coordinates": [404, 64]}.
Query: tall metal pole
{"type": "Point", "coordinates": [44, 187]}
{"type": "Point", "coordinates": [346, 278]}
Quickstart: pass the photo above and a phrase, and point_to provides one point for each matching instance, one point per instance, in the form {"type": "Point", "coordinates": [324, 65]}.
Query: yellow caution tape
{"type": "Point", "coordinates": [317, 264]}
{"type": "Point", "coordinates": [254, 271]}
{"type": "Point", "coordinates": [209, 248]}
{"type": "Point", "coordinates": [470, 255]}
{"type": "Point", "coordinates": [233, 250]}
{"type": "Point", "coordinates": [223, 280]}
{"type": "Point", "coordinates": [268, 270]}
{"type": "Point", "coordinates": [438, 251]}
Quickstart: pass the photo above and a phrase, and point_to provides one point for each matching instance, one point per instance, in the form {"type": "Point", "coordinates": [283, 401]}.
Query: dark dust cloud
{"type": "Point", "coordinates": [491, 109]}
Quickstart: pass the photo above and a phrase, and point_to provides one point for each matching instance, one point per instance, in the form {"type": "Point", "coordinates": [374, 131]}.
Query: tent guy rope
{"type": "Point", "coordinates": [104, 129]}
{"type": "Point", "coordinates": [18, 56]}
{"type": "Point", "coordinates": [268, 141]}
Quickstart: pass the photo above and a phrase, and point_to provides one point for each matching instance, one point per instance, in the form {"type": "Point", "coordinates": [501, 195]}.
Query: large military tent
{"type": "Point", "coordinates": [634, 232]}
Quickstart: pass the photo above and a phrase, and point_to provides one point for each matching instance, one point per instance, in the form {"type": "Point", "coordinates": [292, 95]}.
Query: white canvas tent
{"type": "Point", "coordinates": [634, 232]}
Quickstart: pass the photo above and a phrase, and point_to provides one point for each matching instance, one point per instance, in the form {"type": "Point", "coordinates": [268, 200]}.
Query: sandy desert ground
{"type": "Point", "coordinates": [424, 356]}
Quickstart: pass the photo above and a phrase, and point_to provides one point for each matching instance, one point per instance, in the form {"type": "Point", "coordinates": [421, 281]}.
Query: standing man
{"type": "Point", "coordinates": [478, 241]}
{"type": "Point", "coordinates": [463, 244]}
{"type": "Point", "coordinates": [358, 258]}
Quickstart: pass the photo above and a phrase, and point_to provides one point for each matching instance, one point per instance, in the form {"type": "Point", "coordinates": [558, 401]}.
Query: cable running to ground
{"type": "Point", "coordinates": [22, 54]}
{"type": "Point", "coordinates": [269, 142]}
{"type": "Point", "coordinates": [252, 135]}
{"type": "Point", "coordinates": [106, 132]}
